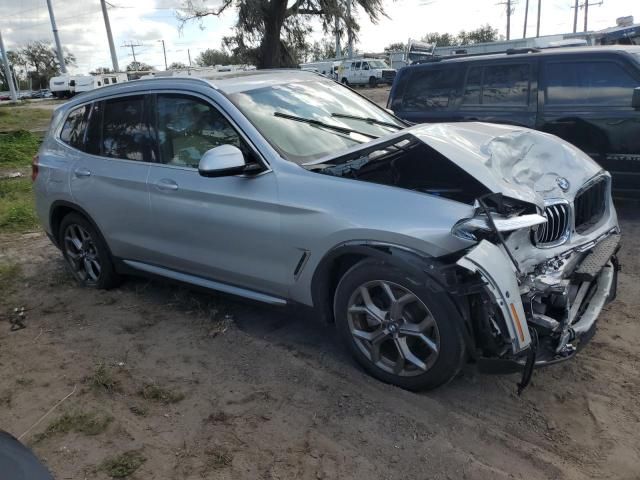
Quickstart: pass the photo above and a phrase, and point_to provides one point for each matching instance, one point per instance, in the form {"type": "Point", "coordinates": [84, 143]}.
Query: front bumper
{"type": "Point", "coordinates": [595, 279]}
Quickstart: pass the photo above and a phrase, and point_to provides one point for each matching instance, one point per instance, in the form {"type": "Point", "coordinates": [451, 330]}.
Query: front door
{"type": "Point", "coordinates": [224, 229]}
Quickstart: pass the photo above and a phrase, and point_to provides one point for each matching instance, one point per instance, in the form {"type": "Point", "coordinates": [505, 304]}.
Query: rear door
{"type": "Point", "coordinates": [225, 229]}
{"type": "Point", "coordinates": [588, 103]}
{"type": "Point", "coordinates": [109, 180]}
{"type": "Point", "coordinates": [500, 92]}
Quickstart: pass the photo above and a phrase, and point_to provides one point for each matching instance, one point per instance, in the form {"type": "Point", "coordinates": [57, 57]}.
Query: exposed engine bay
{"type": "Point", "coordinates": [542, 231]}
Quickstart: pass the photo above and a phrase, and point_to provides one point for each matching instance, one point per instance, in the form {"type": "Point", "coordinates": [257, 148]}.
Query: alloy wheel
{"type": "Point", "coordinates": [393, 328]}
{"type": "Point", "coordinates": [82, 254]}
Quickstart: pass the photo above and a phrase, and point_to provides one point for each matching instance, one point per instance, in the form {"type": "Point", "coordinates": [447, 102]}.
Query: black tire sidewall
{"type": "Point", "coordinates": [108, 277]}
{"type": "Point", "coordinates": [446, 316]}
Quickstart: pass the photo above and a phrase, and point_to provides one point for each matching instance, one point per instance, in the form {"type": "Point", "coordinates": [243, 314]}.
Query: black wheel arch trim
{"type": "Point", "coordinates": [436, 273]}
{"type": "Point", "coordinates": [78, 209]}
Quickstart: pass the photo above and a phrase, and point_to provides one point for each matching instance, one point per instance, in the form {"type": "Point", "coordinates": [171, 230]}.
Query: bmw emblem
{"type": "Point", "coordinates": [563, 183]}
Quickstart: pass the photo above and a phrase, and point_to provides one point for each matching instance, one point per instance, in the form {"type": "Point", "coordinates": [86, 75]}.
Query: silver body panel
{"type": "Point", "coordinates": [249, 232]}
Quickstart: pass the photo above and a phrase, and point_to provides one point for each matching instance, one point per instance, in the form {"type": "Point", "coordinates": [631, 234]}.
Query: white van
{"type": "Point", "coordinates": [365, 71]}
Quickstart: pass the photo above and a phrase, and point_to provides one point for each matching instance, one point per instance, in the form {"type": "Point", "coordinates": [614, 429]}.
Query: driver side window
{"type": "Point", "coordinates": [187, 127]}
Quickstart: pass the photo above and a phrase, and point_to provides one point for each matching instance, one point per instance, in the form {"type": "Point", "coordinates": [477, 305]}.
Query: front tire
{"type": "Point", "coordinates": [399, 330]}
{"type": "Point", "coordinates": [86, 253]}
{"type": "Point", "coordinates": [373, 82]}
{"type": "Point", "coordinates": [344, 81]}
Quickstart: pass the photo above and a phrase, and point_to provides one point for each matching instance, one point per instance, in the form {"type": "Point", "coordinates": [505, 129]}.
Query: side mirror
{"type": "Point", "coordinates": [225, 161]}
{"type": "Point", "coordinates": [635, 99]}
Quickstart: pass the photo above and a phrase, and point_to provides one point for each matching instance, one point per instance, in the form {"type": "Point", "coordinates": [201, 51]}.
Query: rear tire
{"type": "Point", "coordinates": [399, 330]}
{"type": "Point", "coordinates": [344, 81]}
{"type": "Point", "coordinates": [86, 253]}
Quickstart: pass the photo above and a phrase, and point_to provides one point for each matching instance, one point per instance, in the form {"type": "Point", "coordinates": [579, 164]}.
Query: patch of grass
{"type": "Point", "coordinates": [140, 411]}
{"type": "Point", "coordinates": [24, 381]}
{"type": "Point", "coordinates": [22, 118]}
{"type": "Point", "coordinates": [17, 148]}
{"type": "Point", "coordinates": [217, 459]}
{"type": "Point", "coordinates": [156, 393]}
{"type": "Point", "coordinates": [17, 205]}
{"type": "Point", "coordinates": [9, 272]}
{"type": "Point", "coordinates": [123, 465]}
{"type": "Point", "coordinates": [104, 379]}
{"type": "Point", "coordinates": [80, 422]}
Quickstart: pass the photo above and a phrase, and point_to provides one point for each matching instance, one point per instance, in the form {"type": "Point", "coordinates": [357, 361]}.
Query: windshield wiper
{"type": "Point", "coordinates": [368, 120]}
{"type": "Point", "coordinates": [328, 126]}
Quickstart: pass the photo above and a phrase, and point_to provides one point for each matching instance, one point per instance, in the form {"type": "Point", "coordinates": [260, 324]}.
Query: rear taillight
{"type": "Point", "coordinates": [34, 168]}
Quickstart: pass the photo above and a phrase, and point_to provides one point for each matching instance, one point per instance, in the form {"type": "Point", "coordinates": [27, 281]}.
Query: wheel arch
{"type": "Point", "coordinates": [60, 209]}
{"type": "Point", "coordinates": [342, 257]}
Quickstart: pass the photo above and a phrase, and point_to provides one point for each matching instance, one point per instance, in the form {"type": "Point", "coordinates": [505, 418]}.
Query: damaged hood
{"type": "Point", "coordinates": [518, 162]}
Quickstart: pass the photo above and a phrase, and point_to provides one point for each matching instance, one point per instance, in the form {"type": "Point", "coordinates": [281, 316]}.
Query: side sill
{"type": "Point", "coordinates": [206, 283]}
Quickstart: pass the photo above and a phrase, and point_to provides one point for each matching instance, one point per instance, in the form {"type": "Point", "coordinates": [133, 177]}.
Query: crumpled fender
{"type": "Point", "coordinates": [496, 269]}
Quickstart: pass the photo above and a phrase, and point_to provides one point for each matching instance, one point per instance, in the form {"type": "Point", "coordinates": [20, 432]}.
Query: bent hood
{"type": "Point", "coordinates": [516, 161]}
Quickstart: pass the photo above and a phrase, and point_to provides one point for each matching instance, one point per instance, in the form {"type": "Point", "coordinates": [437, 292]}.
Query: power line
{"type": "Point", "coordinates": [133, 47]}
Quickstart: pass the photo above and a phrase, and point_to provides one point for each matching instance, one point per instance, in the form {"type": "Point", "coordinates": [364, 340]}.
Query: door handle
{"type": "Point", "coordinates": [166, 184]}
{"type": "Point", "coordinates": [82, 172]}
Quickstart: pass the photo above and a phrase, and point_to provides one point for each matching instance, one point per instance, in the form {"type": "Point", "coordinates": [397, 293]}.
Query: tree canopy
{"type": "Point", "coordinates": [485, 33]}
{"type": "Point", "coordinates": [272, 33]}
{"type": "Point", "coordinates": [211, 57]}
{"type": "Point", "coordinates": [36, 61]}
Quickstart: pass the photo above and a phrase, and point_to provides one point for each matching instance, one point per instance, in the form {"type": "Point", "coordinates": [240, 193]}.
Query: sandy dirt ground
{"type": "Point", "coordinates": [202, 385]}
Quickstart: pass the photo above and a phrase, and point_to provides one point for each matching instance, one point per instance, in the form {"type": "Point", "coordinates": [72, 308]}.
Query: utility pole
{"type": "Point", "coordinates": [164, 50]}
{"type": "Point", "coordinates": [586, 14]}
{"type": "Point", "coordinates": [133, 49]}
{"type": "Point", "coordinates": [538, 24]}
{"type": "Point", "coordinates": [189, 54]}
{"type": "Point", "coordinates": [7, 71]}
{"type": "Point", "coordinates": [63, 67]}
{"type": "Point", "coordinates": [575, 17]}
{"type": "Point", "coordinates": [526, 17]}
{"type": "Point", "coordinates": [508, 19]}
{"type": "Point", "coordinates": [337, 27]}
{"type": "Point", "coordinates": [349, 32]}
{"type": "Point", "coordinates": [107, 25]}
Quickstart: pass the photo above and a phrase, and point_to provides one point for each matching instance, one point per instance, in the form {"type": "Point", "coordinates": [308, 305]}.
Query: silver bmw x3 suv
{"type": "Point", "coordinates": [427, 245]}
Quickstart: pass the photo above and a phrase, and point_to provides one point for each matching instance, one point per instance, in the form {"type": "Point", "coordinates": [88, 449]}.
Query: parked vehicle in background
{"type": "Point", "coordinates": [588, 96]}
{"type": "Point", "coordinates": [60, 87]}
{"type": "Point", "coordinates": [365, 71]}
{"type": "Point", "coordinates": [328, 68]}
{"type": "Point", "coordinates": [426, 245]}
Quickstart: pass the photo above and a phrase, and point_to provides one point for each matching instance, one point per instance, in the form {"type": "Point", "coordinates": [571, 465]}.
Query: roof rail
{"type": "Point", "coordinates": [515, 51]}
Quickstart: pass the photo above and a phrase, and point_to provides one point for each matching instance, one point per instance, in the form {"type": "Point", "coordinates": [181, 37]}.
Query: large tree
{"type": "Point", "coordinates": [42, 62]}
{"type": "Point", "coordinates": [275, 30]}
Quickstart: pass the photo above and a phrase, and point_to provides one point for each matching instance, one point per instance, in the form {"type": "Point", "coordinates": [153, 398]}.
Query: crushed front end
{"type": "Point", "coordinates": [546, 282]}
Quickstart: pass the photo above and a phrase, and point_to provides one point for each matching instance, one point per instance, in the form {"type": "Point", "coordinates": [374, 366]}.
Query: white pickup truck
{"type": "Point", "coordinates": [365, 71]}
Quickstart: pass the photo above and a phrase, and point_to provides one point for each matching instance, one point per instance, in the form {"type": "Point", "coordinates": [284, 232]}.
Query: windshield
{"type": "Point", "coordinates": [322, 101]}
{"type": "Point", "coordinates": [377, 64]}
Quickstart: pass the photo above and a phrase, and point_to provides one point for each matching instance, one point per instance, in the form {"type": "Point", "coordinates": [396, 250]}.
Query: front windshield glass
{"type": "Point", "coordinates": [317, 100]}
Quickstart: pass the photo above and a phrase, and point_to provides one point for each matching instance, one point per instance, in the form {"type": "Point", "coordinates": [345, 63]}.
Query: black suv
{"type": "Point", "coordinates": [589, 96]}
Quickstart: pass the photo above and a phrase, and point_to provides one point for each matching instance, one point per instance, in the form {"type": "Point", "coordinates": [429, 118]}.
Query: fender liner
{"type": "Point", "coordinates": [439, 274]}
{"type": "Point", "coordinates": [72, 206]}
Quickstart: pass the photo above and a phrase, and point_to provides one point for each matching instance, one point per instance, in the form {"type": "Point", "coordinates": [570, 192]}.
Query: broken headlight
{"type": "Point", "coordinates": [475, 228]}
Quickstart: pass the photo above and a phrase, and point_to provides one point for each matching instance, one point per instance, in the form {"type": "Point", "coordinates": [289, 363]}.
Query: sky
{"type": "Point", "coordinates": [82, 31]}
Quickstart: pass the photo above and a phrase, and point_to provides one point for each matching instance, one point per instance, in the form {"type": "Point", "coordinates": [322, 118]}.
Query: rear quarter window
{"type": "Point", "coordinates": [431, 89]}
{"type": "Point", "coordinates": [74, 127]}
{"type": "Point", "coordinates": [600, 83]}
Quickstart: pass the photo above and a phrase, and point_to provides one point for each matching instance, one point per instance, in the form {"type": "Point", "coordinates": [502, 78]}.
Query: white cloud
{"type": "Point", "coordinates": [82, 28]}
